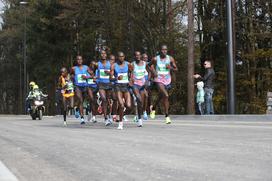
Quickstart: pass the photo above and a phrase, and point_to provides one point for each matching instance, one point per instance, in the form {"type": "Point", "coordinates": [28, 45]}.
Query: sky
{"type": "Point", "coordinates": [1, 6]}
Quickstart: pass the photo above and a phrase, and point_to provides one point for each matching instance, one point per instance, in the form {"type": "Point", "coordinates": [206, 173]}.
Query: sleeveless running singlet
{"type": "Point", "coordinates": [101, 74]}
{"type": "Point", "coordinates": [118, 70]}
{"type": "Point", "coordinates": [164, 76]}
{"type": "Point", "coordinates": [139, 74]}
{"type": "Point", "coordinates": [79, 81]}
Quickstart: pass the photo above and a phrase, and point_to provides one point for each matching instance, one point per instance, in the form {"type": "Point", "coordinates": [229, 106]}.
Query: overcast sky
{"type": "Point", "coordinates": [1, 6]}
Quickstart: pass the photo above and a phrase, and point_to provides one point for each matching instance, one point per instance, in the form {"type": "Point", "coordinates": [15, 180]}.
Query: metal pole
{"type": "Point", "coordinates": [25, 74]}
{"type": "Point", "coordinates": [231, 81]}
{"type": "Point", "coordinates": [24, 3]}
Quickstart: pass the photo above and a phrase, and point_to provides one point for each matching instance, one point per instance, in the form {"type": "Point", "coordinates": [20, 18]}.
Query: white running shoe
{"type": "Point", "coordinates": [110, 120]}
{"type": "Point", "coordinates": [140, 123]}
{"type": "Point", "coordinates": [82, 121]}
{"type": "Point", "coordinates": [64, 123]}
{"type": "Point", "coordinates": [107, 122]}
{"type": "Point", "coordinates": [120, 126]}
{"type": "Point", "coordinates": [94, 119]}
{"type": "Point", "coordinates": [145, 115]}
{"type": "Point", "coordinates": [125, 119]}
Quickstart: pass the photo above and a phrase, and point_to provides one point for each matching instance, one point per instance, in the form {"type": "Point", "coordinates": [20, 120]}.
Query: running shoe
{"type": "Point", "coordinates": [140, 123]}
{"type": "Point", "coordinates": [77, 114]}
{"type": "Point", "coordinates": [125, 118]}
{"type": "Point", "coordinates": [167, 120]}
{"type": "Point", "coordinates": [110, 120]}
{"type": "Point", "coordinates": [153, 114]}
{"type": "Point", "coordinates": [64, 123]}
{"type": "Point", "coordinates": [145, 115]}
{"type": "Point", "coordinates": [107, 122]}
{"type": "Point", "coordinates": [82, 121]}
{"type": "Point", "coordinates": [94, 119]}
{"type": "Point", "coordinates": [120, 126]}
{"type": "Point", "coordinates": [135, 119]}
{"type": "Point", "coordinates": [114, 118]}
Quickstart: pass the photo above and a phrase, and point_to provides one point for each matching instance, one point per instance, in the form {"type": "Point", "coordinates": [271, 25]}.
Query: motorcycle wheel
{"type": "Point", "coordinates": [40, 114]}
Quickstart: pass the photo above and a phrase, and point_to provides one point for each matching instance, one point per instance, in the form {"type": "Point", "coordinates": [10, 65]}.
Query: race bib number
{"type": "Point", "coordinates": [162, 70]}
{"type": "Point", "coordinates": [103, 74]}
{"type": "Point", "coordinates": [80, 79]}
{"type": "Point", "coordinates": [140, 74]}
{"type": "Point", "coordinates": [124, 79]}
{"type": "Point", "coordinates": [90, 81]}
{"type": "Point", "coordinates": [70, 86]}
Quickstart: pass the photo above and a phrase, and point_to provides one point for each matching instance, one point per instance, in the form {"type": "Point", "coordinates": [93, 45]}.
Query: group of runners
{"type": "Point", "coordinates": [118, 83]}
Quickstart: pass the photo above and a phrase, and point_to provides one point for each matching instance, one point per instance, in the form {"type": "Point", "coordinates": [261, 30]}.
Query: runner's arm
{"type": "Point", "coordinates": [112, 73]}
{"type": "Point", "coordinates": [130, 70]}
{"type": "Point", "coordinates": [173, 64]}
{"type": "Point", "coordinates": [91, 73]}
{"type": "Point", "coordinates": [152, 67]}
{"type": "Point", "coordinates": [148, 69]}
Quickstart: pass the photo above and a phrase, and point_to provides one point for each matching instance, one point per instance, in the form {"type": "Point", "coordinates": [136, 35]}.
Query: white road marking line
{"type": "Point", "coordinates": [5, 174]}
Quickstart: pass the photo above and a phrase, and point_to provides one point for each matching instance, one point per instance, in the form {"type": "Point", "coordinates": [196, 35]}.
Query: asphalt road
{"type": "Point", "coordinates": [192, 148]}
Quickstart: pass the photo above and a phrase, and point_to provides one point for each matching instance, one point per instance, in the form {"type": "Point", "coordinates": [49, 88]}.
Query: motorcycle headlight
{"type": "Point", "coordinates": [38, 103]}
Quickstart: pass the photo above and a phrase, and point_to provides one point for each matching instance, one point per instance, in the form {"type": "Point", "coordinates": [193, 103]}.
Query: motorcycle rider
{"type": "Point", "coordinates": [31, 85]}
{"type": "Point", "coordinates": [35, 92]}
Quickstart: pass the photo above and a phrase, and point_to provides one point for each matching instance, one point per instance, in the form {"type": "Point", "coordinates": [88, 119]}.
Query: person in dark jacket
{"type": "Point", "coordinates": [208, 80]}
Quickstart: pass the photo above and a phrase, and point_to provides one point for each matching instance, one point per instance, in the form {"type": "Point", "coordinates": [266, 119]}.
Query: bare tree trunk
{"type": "Point", "coordinates": [190, 79]}
{"type": "Point", "coordinates": [252, 51]}
{"type": "Point", "coordinates": [20, 106]}
{"type": "Point", "coordinates": [170, 16]}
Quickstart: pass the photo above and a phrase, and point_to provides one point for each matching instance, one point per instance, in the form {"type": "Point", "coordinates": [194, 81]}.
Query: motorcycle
{"type": "Point", "coordinates": [37, 107]}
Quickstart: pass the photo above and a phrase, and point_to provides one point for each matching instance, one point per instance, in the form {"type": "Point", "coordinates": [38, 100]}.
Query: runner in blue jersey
{"type": "Point", "coordinates": [92, 91]}
{"type": "Point", "coordinates": [81, 73]}
{"type": "Point", "coordinates": [120, 72]}
{"type": "Point", "coordinates": [114, 102]}
{"type": "Point", "coordinates": [149, 87]}
{"type": "Point", "coordinates": [104, 84]}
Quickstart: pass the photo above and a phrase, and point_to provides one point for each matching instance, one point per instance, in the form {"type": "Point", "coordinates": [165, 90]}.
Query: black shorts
{"type": "Point", "coordinates": [151, 85]}
{"type": "Point", "coordinates": [121, 87]}
{"type": "Point", "coordinates": [94, 89]}
{"type": "Point", "coordinates": [105, 86]}
{"type": "Point", "coordinates": [81, 89]}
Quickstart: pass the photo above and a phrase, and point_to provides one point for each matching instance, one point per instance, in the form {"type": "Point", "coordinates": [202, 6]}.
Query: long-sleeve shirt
{"type": "Point", "coordinates": [208, 78]}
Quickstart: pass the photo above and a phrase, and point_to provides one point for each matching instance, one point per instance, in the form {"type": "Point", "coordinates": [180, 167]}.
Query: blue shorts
{"type": "Point", "coordinates": [93, 88]}
{"type": "Point", "coordinates": [140, 88]}
{"type": "Point", "coordinates": [167, 87]}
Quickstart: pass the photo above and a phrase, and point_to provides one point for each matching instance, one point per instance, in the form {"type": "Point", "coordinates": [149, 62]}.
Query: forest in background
{"type": "Point", "coordinates": [58, 30]}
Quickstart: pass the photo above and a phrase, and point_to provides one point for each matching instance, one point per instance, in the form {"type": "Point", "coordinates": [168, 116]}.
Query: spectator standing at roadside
{"type": "Point", "coordinates": [208, 80]}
